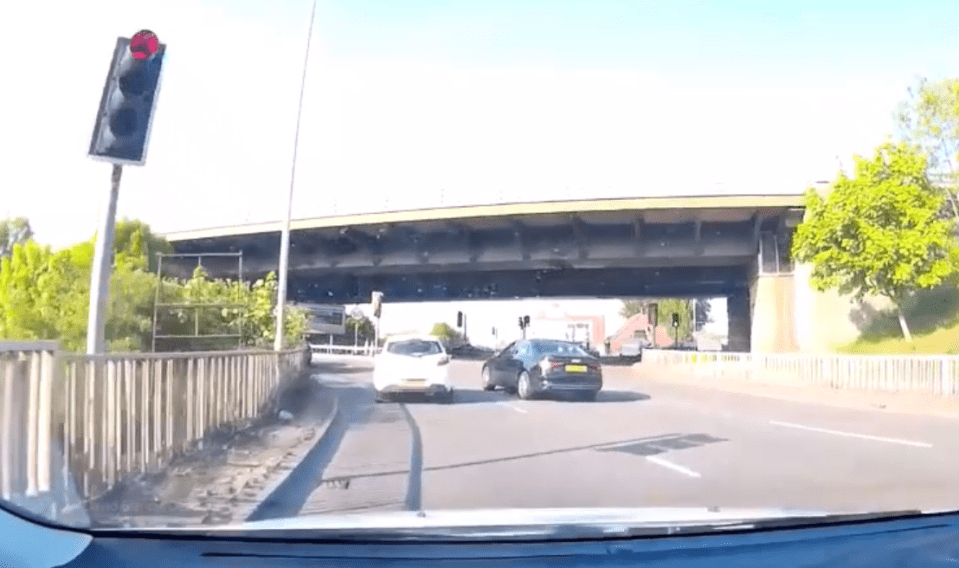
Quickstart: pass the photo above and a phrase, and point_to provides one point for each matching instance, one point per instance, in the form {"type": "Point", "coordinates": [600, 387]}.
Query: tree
{"type": "Point", "coordinates": [632, 307]}
{"type": "Point", "coordinates": [665, 310]}
{"type": "Point", "coordinates": [930, 120]}
{"type": "Point", "coordinates": [46, 295]}
{"type": "Point", "coordinates": [880, 233]}
{"type": "Point", "coordinates": [703, 308]}
{"type": "Point", "coordinates": [681, 306]}
{"type": "Point", "coordinates": [13, 231]}
{"type": "Point", "coordinates": [135, 238]}
{"type": "Point", "coordinates": [445, 332]}
{"type": "Point", "coordinates": [362, 327]}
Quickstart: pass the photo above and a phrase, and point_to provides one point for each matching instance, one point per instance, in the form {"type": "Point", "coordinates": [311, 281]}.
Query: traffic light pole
{"type": "Point", "coordinates": [285, 235]}
{"type": "Point", "coordinates": [100, 274]}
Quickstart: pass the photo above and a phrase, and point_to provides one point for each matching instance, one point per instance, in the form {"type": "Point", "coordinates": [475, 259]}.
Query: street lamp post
{"type": "Point", "coordinates": [285, 235]}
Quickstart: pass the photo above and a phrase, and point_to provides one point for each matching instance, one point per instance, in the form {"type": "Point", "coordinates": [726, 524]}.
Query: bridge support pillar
{"type": "Point", "coordinates": [738, 316]}
{"type": "Point", "coordinates": [774, 314]}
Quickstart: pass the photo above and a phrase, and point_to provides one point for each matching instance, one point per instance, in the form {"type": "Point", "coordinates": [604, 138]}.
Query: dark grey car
{"type": "Point", "coordinates": [533, 367]}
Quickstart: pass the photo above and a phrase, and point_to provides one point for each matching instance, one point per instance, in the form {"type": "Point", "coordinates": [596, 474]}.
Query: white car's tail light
{"type": "Point", "coordinates": [444, 360]}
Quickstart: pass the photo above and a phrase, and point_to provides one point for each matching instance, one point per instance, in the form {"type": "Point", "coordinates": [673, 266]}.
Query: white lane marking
{"type": "Point", "coordinates": [672, 466]}
{"type": "Point", "coordinates": [518, 409]}
{"type": "Point", "coordinates": [852, 435]}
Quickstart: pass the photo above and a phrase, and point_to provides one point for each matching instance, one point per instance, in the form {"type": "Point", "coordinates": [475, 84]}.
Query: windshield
{"type": "Point", "coordinates": [469, 261]}
{"type": "Point", "coordinates": [557, 348]}
{"type": "Point", "coordinates": [414, 347]}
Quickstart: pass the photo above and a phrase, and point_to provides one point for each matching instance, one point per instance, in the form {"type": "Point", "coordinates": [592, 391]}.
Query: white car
{"type": "Point", "coordinates": [415, 365]}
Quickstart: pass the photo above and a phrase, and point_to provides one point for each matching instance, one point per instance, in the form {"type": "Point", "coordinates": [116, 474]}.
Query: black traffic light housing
{"type": "Point", "coordinates": [122, 130]}
{"type": "Point", "coordinates": [675, 319]}
{"type": "Point", "coordinates": [376, 299]}
{"type": "Point", "coordinates": [459, 319]}
{"type": "Point", "coordinates": [525, 321]}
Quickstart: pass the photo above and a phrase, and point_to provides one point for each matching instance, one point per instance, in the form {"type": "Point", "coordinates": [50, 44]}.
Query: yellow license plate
{"type": "Point", "coordinates": [575, 368]}
{"type": "Point", "coordinates": [414, 382]}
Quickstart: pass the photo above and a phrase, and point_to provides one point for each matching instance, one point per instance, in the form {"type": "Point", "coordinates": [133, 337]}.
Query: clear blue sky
{"type": "Point", "coordinates": [413, 103]}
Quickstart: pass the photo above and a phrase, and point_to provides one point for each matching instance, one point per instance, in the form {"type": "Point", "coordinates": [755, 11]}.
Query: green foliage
{"type": "Point", "coordinates": [632, 307]}
{"type": "Point", "coordinates": [135, 239]}
{"type": "Point", "coordinates": [13, 231]}
{"type": "Point", "coordinates": [879, 233]}
{"type": "Point", "coordinates": [362, 327]}
{"type": "Point", "coordinates": [446, 332]}
{"type": "Point", "coordinates": [666, 308]}
{"type": "Point", "coordinates": [46, 295]}
{"type": "Point", "coordinates": [930, 121]}
{"type": "Point", "coordinates": [683, 307]}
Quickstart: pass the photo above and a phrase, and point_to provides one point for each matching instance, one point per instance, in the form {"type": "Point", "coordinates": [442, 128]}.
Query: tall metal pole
{"type": "Point", "coordinates": [285, 236]}
{"type": "Point", "coordinates": [100, 274]}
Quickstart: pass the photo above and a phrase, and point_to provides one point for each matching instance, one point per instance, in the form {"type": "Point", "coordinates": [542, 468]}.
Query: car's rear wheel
{"type": "Point", "coordinates": [487, 380]}
{"type": "Point", "coordinates": [524, 387]}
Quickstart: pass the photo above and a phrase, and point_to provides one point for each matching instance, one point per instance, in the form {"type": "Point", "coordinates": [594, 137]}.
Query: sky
{"type": "Point", "coordinates": [413, 103]}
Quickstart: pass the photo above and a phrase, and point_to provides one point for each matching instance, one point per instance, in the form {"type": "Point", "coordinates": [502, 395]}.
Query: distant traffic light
{"type": "Point", "coordinates": [525, 321]}
{"type": "Point", "coordinates": [122, 130]}
{"type": "Point", "coordinates": [459, 319]}
{"type": "Point", "coordinates": [521, 322]}
{"type": "Point", "coordinates": [675, 319]}
{"type": "Point", "coordinates": [377, 301]}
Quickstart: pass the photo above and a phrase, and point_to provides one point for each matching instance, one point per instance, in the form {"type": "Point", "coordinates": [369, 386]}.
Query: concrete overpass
{"type": "Point", "coordinates": [733, 246]}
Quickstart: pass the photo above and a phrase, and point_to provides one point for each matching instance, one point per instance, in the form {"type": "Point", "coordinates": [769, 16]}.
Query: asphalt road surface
{"type": "Point", "coordinates": [642, 443]}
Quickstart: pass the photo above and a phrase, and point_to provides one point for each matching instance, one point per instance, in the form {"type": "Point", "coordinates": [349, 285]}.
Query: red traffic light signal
{"type": "Point", "coordinates": [144, 44]}
{"type": "Point", "coordinates": [122, 129]}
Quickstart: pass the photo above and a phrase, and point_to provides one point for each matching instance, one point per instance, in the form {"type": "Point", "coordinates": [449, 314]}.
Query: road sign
{"type": "Point", "coordinates": [356, 313]}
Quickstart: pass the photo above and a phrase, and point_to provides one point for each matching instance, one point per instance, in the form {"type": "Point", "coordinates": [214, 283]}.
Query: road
{"type": "Point", "coordinates": [642, 443]}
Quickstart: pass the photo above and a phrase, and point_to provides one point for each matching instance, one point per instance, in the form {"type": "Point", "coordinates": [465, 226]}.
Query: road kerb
{"type": "Point", "coordinates": [288, 464]}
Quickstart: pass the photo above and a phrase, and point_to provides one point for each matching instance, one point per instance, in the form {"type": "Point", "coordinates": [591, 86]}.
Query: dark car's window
{"type": "Point", "coordinates": [560, 348]}
{"type": "Point", "coordinates": [415, 347]}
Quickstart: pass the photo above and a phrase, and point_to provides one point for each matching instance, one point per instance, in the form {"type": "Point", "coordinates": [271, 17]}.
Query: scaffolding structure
{"type": "Point", "coordinates": [159, 306]}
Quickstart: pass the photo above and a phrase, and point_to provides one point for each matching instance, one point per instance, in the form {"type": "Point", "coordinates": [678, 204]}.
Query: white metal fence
{"type": "Point", "coordinates": [361, 350]}
{"type": "Point", "coordinates": [71, 425]}
{"type": "Point", "coordinates": [937, 374]}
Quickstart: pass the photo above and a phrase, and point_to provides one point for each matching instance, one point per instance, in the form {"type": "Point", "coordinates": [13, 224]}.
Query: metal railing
{"type": "Point", "coordinates": [934, 374]}
{"type": "Point", "coordinates": [362, 350]}
{"type": "Point", "coordinates": [72, 426]}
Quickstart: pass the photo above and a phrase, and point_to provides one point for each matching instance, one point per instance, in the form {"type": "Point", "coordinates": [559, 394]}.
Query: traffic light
{"type": "Point", "coordinates": [525, 321]}
{"type": "Point", "coordinates": [521, 322]}
{"type": "Point", "coordinates": [122, 128]}
{"type": "Point", "coordinates": [377, 301]}
{"type": "Point", "coordinates": [675, 319]}
{"type": "Point", "coordinates": [459, 319]}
